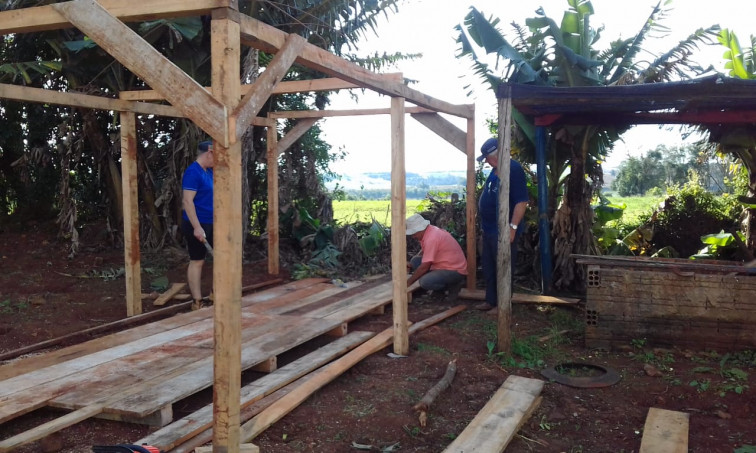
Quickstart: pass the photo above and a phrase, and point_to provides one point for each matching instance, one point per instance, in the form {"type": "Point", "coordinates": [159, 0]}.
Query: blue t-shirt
{"type": "Point", "coordinates": [200, 181]}
{"type": "Point", "coordinates": [488, 204]}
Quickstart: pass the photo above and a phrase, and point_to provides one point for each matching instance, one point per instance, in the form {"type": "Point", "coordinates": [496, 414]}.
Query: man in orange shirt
{"type": "Point", "coordinates": [441, 264]}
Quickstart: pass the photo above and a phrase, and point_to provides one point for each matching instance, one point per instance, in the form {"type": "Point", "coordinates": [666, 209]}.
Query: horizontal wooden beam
{"type": "Point", "coordinates": [135, 53]}
{"type": "Point", "coordinates": [264, 37]}
{"type": "Point", "coordinates": [333, 113]}
{"type": "Point", "coordinates": [296, 86]}
{"type": "Point", "coordinates": [41, 96]}
{"type": "Point", "coordinates": [41, 18]}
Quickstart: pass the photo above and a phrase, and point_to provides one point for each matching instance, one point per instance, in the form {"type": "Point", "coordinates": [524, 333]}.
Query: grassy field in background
{"type": "Point", "coordinates": [352, 211]}
{"type": "Point", "coordinates": [635, 206]}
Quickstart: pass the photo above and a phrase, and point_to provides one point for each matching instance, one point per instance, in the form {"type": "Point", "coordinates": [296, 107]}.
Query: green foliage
{"type": "Point", "coordinates": [690, 212]}
{"type": "Point", "coordinates": [373, 240]}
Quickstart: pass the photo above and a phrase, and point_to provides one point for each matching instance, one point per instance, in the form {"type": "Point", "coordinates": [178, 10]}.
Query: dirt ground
{"type": "Point", "coordinates": [44, 295]}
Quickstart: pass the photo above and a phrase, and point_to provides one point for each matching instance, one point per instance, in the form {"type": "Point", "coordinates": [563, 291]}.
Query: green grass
{"type": "Point", "coordinates": [352, 211]}
{"type": "Point", "coordinates": [635, 206]}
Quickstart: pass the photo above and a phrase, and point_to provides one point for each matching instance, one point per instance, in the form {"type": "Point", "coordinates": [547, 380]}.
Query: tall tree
{"type": "Point", "coordinates": [85, 145]}
{"type": "Point", "coordinates": [564, 55]}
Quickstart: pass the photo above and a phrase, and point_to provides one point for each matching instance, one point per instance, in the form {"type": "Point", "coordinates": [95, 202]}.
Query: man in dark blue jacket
{"type": "Point", "coordinates": [488, 210]}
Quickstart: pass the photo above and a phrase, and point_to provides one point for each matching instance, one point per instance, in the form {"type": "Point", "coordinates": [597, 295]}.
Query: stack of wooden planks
{"type": "Point", "coordinates": [137, 374]}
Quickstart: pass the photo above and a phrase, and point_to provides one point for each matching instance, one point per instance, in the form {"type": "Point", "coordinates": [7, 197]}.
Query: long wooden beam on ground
{"type": "Point", "coordinates": [42, 96]}
{"type": "Point", "coordinates": [665, 431]}
{"type": "Point", "coordinates": [323, 376]}
{"type": "Point", "coordinates": [126, 46]}
{"type": "Point", "coordinates": [269, 39]}
{"type": "Point", "coordinates": [520, 298]}
{"type": "Point", "coordinates": [284, 87]}
{"type": "Point", "coordinates": [197, 425]}
{"type": "Point", "coordinates": [42, 18]}
{"type": "Point", "coordinates": [500, 419]}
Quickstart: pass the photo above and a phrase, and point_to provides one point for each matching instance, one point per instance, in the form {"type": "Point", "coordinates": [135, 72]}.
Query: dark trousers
{"type": "Point", "coordinates": [488, 262]}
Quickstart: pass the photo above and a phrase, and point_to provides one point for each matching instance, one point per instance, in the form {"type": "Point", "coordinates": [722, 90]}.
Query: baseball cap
{"type": "Point", "coordinates": [206, 145]}
{"type": "Point", "coordinates": [488, 147]}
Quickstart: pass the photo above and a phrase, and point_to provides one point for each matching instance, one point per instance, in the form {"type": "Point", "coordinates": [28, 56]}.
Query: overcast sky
{"type": "Point", "coordinates": [426, 27]}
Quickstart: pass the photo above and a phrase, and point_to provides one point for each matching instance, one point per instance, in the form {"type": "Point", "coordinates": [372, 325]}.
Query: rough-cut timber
{"type": "Point", "coordinates": [665, 432]}
{"type": "Point", "coordinates": [667, 306]}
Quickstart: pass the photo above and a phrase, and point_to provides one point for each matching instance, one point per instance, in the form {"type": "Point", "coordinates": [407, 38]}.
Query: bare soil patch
{"type": "Point", "coordinates": [44, 295]}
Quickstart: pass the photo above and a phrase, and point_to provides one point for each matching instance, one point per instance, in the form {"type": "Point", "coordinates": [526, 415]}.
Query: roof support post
{"type": "Point", "coordinates": [398, 228]}
{"type": "Point", "coordinates": [273, 210]}
{"type": "Point", "coordinates": [504, 253]}
{"type": "Point", "coordinates": [544, 229]}
{"type": "Point", "coordinates": [227, 236]}
{"type": "Point", "coordinates": [471, 206]}
{"type": "Point", "coordinates": [129, 181]}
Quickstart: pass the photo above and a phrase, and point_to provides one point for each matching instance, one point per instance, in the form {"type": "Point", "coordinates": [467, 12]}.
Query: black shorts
{"type": "Point", "coordinates": [197, 250]}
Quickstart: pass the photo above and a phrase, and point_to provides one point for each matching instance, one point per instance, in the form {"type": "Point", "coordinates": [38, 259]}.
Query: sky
{"type": "Point", "coordinates": [427, 27]}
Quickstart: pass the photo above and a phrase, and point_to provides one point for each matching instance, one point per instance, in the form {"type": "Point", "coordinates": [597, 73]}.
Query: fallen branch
{"type": "Point", "coordinates": [430, 396]}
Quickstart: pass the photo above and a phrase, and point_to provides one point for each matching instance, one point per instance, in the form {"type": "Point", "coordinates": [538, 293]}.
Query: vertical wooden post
{"type": "Point", "coordinates": [504, 258]}
{"type": "Point", "coordinates": [227, 236]}
{"type": "Point", "coordinates": [398, 228]}
{"type": "Point", "coordinates": [130, 184]}
{"type": "Point", "coordinates": [471, 206]}
{"type": "Point", "coordinates": [273, 257]}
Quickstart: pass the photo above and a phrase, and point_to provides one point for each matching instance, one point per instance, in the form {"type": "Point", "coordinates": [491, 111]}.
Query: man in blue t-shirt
{"type": "Point", "coordinates": [488, 210]}
{"type": "Point", "coordinates": [197, 216]}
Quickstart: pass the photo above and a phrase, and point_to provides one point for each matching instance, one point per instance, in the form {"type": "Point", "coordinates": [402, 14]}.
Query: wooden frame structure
{"type": "Point", "coordinates": [224, 112]}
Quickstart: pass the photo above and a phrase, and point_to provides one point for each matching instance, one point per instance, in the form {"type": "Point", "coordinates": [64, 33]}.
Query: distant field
{"type": "Point", "coordinates": [366, 210]}
{"type": "Point", "coordinates": [380, 210]}
{"type": "Point", "coordinates": [635, 206]}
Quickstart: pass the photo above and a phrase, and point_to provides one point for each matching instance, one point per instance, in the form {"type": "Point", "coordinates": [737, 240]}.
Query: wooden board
{"type": "Point", "coordinates": [665, 432]}
{"type": "Point", "coordinates": [519, 298]}
{"type": "Point", "coordinates": [202, 419]}
{"type": "Point", "coordinates": [168, 295]}
{"type": "Point", "coordinates": [497, 423]}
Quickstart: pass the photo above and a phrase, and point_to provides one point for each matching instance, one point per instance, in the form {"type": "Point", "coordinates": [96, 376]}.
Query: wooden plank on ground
{"type": "Point", "coordinates": [295, 299]}
{"type": "Point", "coordinates": [168, 295]}
{"type": "Point", "coordinates": [279, 291]}
{"type": "Point", "coordinates": [202, 419]}
{"type": "Point", "coordinates": [520, 298]}
{"type": "Point", "coordinates": [497, 423]}
{"type": "Point", "coordinates": [284, 333]}
{"type": "Point", "coordinates": [28, 364]}
{"type": "Point", "coordinates": [665, 431]}
{"type": "Point", "coordinates": [323, 376]}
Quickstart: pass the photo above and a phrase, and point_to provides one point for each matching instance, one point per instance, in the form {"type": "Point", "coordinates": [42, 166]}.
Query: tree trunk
{"type": "Point", "coordinates": [572, 225]}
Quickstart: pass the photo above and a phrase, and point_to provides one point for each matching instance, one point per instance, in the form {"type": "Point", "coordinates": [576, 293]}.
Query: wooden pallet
{"type": "Point", "coordinates": [136, 375]}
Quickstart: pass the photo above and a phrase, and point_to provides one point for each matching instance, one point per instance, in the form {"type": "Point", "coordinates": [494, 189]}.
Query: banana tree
{"type": "Point", "coordinates": [167, 145]}
{"type": "Point", "coordinates": [740, 141]}
{"type": "Point", "coordinates": [564, 55]}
